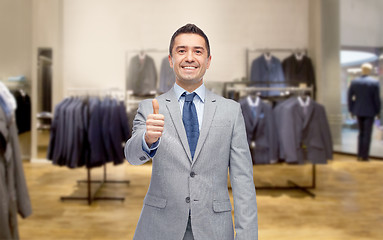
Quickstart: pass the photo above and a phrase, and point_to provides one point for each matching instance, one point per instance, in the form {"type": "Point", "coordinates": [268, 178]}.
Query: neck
{"type": "Point", "coordinates": [190, 87]}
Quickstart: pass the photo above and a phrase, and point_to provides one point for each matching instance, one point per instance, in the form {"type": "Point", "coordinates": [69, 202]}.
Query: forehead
{"type": "Point", "coordinates": [189, 40]}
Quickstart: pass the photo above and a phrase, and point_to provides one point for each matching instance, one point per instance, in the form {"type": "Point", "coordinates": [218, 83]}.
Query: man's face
{"type": "Point", "coordinates": [189, 60]}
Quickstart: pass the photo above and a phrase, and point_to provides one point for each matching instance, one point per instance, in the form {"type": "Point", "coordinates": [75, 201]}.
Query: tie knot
{"type": "Point", "coordinates": [189, 97]}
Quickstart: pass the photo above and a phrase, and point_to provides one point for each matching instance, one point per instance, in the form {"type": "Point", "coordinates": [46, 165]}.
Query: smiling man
{"type": "Point", "coordinates": [193, 137]}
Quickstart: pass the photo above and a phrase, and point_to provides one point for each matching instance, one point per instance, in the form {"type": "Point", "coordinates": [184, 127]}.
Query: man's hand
{"type": "Point", "coordinates": [154, 125]}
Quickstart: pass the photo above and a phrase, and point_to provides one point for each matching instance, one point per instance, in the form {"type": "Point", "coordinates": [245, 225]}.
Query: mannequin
{"type": "Point", "coordinates": [364, 103]}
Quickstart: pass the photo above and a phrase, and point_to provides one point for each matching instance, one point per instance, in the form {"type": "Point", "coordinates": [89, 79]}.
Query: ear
{"type": "Point", "coordinates": [208, 62]}
{"type": "Point", "coordinates": [170, 61]}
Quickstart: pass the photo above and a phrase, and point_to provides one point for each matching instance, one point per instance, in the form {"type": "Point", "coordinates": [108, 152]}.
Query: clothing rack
{"type": "Point", "coordinates": [270, 50]}
{"type": "Point", "coordinates": [92, 196]}
{"type": "Point", "coordinates": [248, 87]}
{"type": "Point", "coordinates": [291, 184]}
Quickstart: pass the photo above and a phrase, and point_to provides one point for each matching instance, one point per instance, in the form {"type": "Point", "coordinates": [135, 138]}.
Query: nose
{"type": "Point", "coordinates": [189, 56]}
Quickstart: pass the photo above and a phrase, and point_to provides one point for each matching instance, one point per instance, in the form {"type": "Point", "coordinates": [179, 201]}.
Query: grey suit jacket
{"type": "Point", "coordinates": [299, 131]}
{"type": "Point", "coordinates": [14, 197]}
{"type": "Point", "coordinates": [142, 76]}
{"type": "Point", "coordinates": [167, 77]}
{"type": "Point", "coordinates": [179, 184]}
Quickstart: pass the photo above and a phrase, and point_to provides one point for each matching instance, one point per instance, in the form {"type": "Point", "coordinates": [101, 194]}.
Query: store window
{"type": "Point", "coordinates": [351, 60]}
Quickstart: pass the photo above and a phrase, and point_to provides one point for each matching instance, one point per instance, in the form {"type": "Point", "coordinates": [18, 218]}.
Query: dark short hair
{"type": "Point", "coordinates": [189, 28]}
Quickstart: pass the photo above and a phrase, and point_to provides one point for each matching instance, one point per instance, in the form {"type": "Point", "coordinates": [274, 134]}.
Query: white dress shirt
{"type": "Point", "coordinates": [199, 103]}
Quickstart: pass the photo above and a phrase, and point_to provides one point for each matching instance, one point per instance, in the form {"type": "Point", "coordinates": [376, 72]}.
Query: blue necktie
{"type": "Point", "coordinates": [190, 120]}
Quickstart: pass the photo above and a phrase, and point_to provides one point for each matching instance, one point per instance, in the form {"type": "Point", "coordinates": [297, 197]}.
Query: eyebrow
{"type": "Point", "coordinates": [195, 47]}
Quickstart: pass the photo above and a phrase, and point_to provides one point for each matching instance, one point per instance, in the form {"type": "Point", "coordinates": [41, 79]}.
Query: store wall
{"type": "Point", "coordinates": [15, 38]}
{"type": "Point", "coordinates": [361, 23]}
{"type": "Point", "coordinates": [97, 34]}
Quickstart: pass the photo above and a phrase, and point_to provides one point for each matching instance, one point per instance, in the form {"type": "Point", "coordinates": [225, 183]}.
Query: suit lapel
{"type": "Point", "coordinates": [259, 122]}
{"type": "Point", "coordinates": [248, 112]}
{"type": "Point", "coordinates": [310, 109]}
{"type": "Point", "coordinates": [174, 111]}
{"type": "Point", "coordinates": [208, 115]}
{"type": "Point", "coordinates": [258, 110]}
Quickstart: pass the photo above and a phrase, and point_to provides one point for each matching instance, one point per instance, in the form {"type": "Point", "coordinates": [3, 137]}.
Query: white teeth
{"type": "Point", "coordinates": [190, 67]}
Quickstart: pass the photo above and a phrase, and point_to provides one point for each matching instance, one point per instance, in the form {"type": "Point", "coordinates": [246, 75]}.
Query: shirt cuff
{"type": "Point", "coordinates": [153, 149]}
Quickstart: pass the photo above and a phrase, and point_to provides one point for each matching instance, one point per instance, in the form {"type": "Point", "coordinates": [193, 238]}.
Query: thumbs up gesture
{"type": "Point", "coordinates": [154, 125]}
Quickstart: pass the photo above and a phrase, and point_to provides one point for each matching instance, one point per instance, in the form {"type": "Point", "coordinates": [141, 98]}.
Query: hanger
{"type": "Point", "coordinates": [299, 53]}
{"type": "Point", "coordinates": [267, 54]}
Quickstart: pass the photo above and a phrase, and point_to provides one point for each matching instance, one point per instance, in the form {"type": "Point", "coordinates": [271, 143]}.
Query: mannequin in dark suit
{"type": "Point", "coordinates": [364, 103]}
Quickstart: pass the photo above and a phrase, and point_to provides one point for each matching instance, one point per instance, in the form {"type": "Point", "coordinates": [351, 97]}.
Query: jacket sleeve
{"type": "Point", "coordinates": [377, 99]}
{"type": "Point", "coordinates": [133, 147]}
{"type": "Point", "coordinates": [326, 133]}
{"type": "Point", "coordinates": [350, 95]}
{"type": "Point", "coordinates": [241, 177]}
{"type": "Point", "coordinates": [24, 207]}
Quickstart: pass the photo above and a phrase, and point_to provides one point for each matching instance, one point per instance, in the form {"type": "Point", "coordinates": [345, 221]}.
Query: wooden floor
{"type": "Point", "coordinates": [348, 203]}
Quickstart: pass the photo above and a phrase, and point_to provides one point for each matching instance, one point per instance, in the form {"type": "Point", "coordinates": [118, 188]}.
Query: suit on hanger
{"type": "Point", "coordinates": [118, 130]}
{"type": "Point", "coordinates": [167, 77]}
{"type": "Point", "coordinates": [299, 71]}
{"type": "Point", "coordinates": [264, 73]}
{"type": "Point", "coordinates": [23, 111]}
{"type": "Point", "coordinates": [305, 136]}
{"type": "Point", "coordinates": [180, 185]}
{"type": "Point", "coordinates": [260, 128]}
{"type": "Point", "coordinates": [142, 76]}
{"type": "Point", "coordinates": [278, 118]}
{"type": "Point", "coordinates": [364, 102]}
{"type": "Point", "coordinates": [98, 152]}
{"type": "Point", "coordinates": [58, 151]}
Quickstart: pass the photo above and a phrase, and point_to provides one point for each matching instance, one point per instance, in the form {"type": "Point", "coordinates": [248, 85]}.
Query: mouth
{"type": "Point", "coordinates": [189, 67]}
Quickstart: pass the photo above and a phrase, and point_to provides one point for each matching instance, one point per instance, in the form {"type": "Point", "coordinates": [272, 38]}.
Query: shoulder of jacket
{"type": "Point", "coordinates": [228, 103]}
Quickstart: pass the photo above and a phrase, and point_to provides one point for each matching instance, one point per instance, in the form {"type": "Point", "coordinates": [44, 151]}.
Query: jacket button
{"type": "Point", "coordinates": [192, 174]}
{"type": "Point", "coordinates": [187, 200]}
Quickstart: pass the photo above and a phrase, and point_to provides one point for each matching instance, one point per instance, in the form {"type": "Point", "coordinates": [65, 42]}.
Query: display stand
{"type": "Point", "coordinates": [245, 89]}
{"type": "Point", "coordinates": [93, 196]}
{"type": "Point", "coordinates": [294, 186]}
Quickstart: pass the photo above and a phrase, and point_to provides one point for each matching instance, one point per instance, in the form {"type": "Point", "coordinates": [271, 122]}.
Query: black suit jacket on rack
{"type": "Point", "coordinates": [298, 131]}
{"type": "Point", "coordinates": [261, 130]}
{"type": "Point", "coordinates": [299, 71]}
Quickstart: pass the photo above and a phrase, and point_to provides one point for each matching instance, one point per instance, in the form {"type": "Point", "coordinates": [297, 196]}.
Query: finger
{"type": "Point", "coordinates": [154, 129]}
{"type": "Point", "coordinates": [156, 116]}
{"type": "Point", "coordinates": [154, 135]}
{"type": "Point", "coordinates": [152, 122]}
{"type": "Point", "coordinates": [156, 107]}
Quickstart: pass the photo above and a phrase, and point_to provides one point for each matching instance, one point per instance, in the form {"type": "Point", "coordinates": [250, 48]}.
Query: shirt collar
{"type": "Point", "coordinates": [252, 103]}
{"type": "Point", "coordinates": [304, 103]}
{"type": "Point", "coordinates": [200, 91]}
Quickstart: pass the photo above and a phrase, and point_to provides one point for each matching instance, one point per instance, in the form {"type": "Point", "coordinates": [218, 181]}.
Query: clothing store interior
{"type": "Point", "coordinates": [72, 74]}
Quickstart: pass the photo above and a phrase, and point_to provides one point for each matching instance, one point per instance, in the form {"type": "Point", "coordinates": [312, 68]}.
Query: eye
{"type": "Point", "coordinates": [198, 52]}
{"type": "Point", "coordinates": [181, 51]}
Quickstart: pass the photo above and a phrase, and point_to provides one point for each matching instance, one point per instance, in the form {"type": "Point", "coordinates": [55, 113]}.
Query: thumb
{"type": "Point", "coordinates": [155, 106]}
